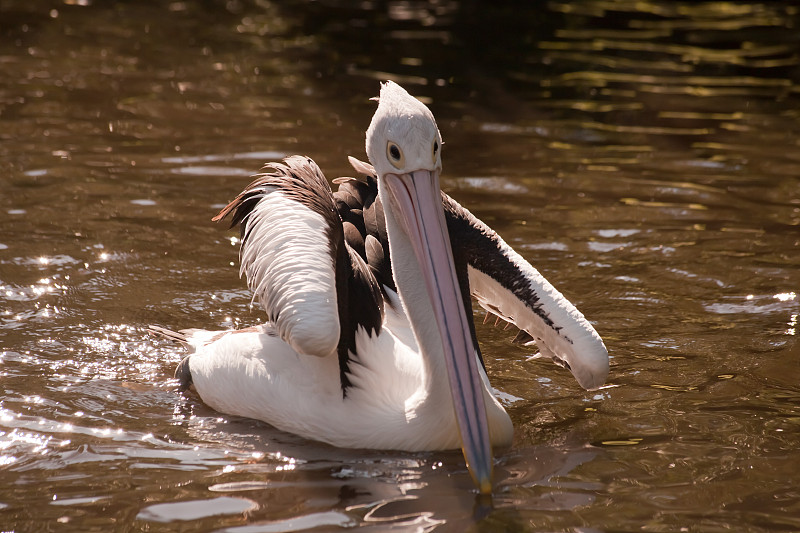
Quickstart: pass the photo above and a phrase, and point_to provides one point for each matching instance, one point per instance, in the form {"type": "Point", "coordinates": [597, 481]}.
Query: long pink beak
{"type": "Point", "coordinates": [418, 197]}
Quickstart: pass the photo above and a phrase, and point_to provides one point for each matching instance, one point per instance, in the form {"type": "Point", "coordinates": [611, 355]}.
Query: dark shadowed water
{"type": "Point", "coordinates": [644, 156]}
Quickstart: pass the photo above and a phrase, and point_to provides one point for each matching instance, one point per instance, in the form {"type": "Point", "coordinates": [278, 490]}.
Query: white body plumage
{"type": "Point", "coordinates": [253, 373]}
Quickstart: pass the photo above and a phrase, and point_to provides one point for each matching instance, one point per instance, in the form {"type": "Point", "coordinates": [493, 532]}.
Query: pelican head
{"type": "Point", "coordinates": [404, 146]}
{"type": "Point", "coordinates": [403, 136]}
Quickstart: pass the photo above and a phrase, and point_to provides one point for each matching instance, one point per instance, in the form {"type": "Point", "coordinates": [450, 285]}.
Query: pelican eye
{"type": "Point", "coordinates": [395, 155]}
{"type": "Point", "coordinates": [435, 148]}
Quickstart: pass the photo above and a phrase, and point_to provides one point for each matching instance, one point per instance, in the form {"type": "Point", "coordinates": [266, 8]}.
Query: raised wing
{"type": "Point", "coordinates": [315, 289]}
{"type": "Point", "coordinates": [505, 284]}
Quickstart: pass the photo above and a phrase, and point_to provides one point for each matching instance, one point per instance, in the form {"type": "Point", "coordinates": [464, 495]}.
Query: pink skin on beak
{"type": "Point", "coordinates": [418, 199]}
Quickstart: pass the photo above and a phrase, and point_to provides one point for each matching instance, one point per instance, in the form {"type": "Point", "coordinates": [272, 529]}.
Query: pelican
{"type": "Point", "coordinates": [369, 340]}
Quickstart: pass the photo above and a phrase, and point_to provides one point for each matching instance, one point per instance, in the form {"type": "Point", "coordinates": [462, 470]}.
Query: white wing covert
{"type": "Point", "coordinates": [288, 221]}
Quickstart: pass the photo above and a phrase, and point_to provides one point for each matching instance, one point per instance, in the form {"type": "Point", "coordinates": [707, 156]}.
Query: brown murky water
{"type": "Point", "coordinates": [644, 156]}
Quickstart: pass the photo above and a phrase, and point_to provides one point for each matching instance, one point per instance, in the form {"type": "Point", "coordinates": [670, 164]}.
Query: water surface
{"type": "Point", "coordinates": [643, 156]}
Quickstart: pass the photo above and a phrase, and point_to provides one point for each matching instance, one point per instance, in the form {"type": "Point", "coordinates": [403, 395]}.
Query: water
{"type": "Point", "coordinates": [644, 156]}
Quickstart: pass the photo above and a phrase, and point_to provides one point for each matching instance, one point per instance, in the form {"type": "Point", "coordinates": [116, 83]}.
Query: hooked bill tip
{"type": "Point", "coordinates": [481, 475]}
{"type": "Point", "coordinates": [485, 486]}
